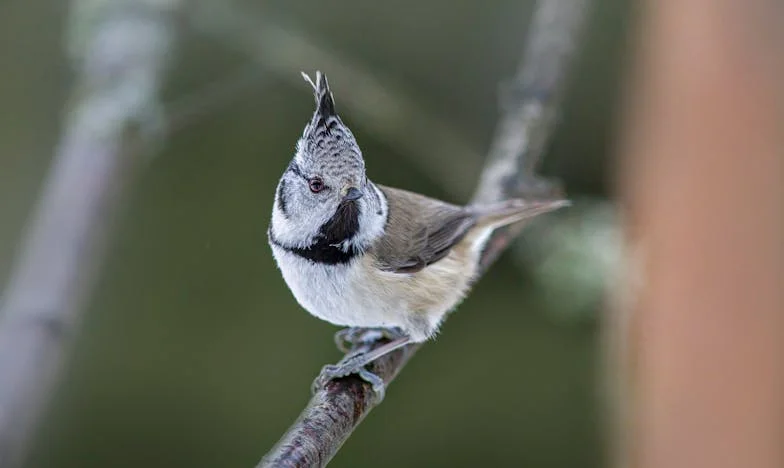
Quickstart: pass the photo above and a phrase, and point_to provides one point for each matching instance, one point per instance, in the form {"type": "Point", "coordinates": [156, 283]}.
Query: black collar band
{"type": "Point", "coordinates": [320, 251]}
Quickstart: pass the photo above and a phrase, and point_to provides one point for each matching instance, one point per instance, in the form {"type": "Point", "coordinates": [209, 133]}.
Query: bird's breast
{"type": "Point", "coordinates": [358, 294]}
{"type": "Point", "coordinates": [342, 294]}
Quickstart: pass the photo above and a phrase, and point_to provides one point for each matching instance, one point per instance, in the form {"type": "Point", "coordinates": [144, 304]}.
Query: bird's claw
{"type": "Point", "coordinates": [376, 383]}
{"type": "Point", "coordinates": [351, 365]}
{"type": "Point", "coordinates": [349, 338]}
{"type": "Point", "coordinates": [355, 342]}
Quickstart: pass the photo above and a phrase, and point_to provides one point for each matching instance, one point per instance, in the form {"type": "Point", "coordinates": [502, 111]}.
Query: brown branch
{"type": "Point", "coordinates": [530, 106]}
{"type": "Point", "coordinates": [119, 49]}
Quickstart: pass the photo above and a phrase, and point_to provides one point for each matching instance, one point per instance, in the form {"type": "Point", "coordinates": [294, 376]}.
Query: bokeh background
{"type": "Point", "coordinates": [194, 353]}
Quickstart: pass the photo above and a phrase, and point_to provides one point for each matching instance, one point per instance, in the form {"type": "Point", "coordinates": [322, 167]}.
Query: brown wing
{"type": "Point", "coordinates": [419, 232]}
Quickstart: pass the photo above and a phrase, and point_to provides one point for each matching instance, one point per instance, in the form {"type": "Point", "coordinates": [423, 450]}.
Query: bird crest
{"type": "Point", "coordinates": [325, 103]}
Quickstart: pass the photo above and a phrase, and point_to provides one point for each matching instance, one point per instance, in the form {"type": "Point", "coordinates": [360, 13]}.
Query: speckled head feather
{"type": "Point", "coordinates": [326, 141]}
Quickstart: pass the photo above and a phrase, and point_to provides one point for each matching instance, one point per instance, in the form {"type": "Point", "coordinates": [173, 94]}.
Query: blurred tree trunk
{"type": "Point", "coordinates": [119, 50]}
{"type": "Point", "coordinates": [703, 187]}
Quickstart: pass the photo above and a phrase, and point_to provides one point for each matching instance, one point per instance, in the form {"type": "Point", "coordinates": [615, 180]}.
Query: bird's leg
{"type": "Point", "coordinates": [348, 339]}
{"type": "Point", "coordinates": [355, 364]}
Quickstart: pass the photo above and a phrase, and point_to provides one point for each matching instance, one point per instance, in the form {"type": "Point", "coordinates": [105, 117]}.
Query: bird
{"type": "Point", "coordinates": [383, 261]}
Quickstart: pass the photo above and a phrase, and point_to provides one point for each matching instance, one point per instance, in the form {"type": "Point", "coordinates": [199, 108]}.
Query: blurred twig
{"type": "Point", "coordinates": [334, 411]}
{"type": "Point", "coordinates": [383, 108]}
{"type": "Point", "coordinates": [189, 109]}
{"type": "Point", "coordinates": [119, 49]}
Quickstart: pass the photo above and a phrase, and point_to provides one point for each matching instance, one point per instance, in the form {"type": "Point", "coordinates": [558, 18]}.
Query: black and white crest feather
{"type": "Point", "coordinates": [325, 102]}
{"type": "Point", "coordinates": [326, 137]}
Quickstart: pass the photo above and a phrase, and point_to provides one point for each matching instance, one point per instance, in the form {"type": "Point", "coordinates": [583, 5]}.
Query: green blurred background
{"type": "Point", "coordinates": [194, 353]}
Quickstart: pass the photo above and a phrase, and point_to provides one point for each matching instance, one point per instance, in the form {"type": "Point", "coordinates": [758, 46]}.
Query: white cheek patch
{"type": "Point", "coordinates": [292, 230]}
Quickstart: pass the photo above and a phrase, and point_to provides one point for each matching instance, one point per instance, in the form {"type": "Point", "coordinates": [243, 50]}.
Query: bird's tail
{"type": "Point", "coordinates": [511, 211]}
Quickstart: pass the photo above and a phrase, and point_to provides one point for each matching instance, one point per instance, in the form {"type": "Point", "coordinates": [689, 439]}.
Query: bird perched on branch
{"type": "Point", "coordinates": [363, 255]}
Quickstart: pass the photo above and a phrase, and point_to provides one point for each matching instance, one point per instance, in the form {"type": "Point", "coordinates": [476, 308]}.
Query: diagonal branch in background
{"type": "Point", "coordinates": [220, 93]}
{"type": "Point", "coordinates": [529, 110]}
{"type": "Point", "coordinates": [119, 49]}
{"type": "Point", "coordinates": [377, 105]}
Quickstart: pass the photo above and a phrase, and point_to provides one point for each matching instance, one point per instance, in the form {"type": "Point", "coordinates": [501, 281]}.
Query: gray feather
{"type": "Point", "coordinates": [421, 231]}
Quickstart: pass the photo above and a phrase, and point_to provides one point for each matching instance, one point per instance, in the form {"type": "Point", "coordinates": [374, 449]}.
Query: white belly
{"type": "Point", "coordinates": [358, 294]}
{"type": "Point", "coordinates": [338, 293]}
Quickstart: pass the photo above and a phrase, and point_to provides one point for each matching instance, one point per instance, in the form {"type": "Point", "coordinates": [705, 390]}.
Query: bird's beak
{"type": "Point", "coordinates": [352, 193]}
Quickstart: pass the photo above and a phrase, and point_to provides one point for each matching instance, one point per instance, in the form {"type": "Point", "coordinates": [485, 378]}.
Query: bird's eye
{"type": "Point", "coordinates": [316, 185]}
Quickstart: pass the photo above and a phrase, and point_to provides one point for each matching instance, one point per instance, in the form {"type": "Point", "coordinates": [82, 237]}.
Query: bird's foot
{"type": "Point", "coordinates": [348, 339]}
{"type": "Point", "coordinates": [355, 362]}
{"type": "Point", "coordinates": [352, 364]}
